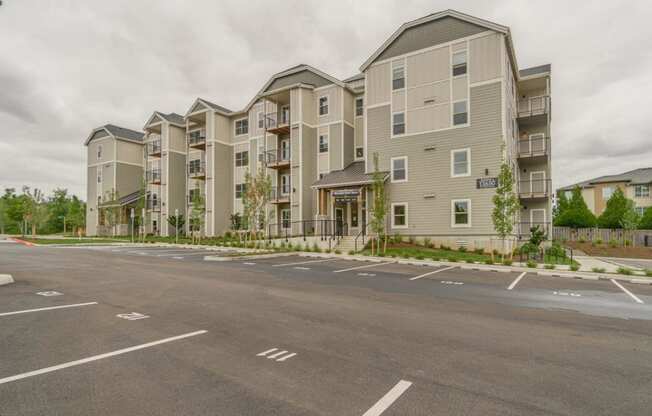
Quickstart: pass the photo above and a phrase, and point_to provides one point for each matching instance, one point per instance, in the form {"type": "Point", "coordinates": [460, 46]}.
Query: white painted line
{"type": "Point", "coordinates": [264, 353]}
{"type": "Point", "coordinates": [286, 357]}
{"type": "Point", "coordinates": [302, 268]}
{"type": "Point", "coordinates": [633, 296]}
{"type": "Point", "coordinates": [278, 354]}
{"type": "Point", "coordinates": [387, 400]}
{"type": "Point", "coordinates": [302, 262]}
{"type": "Point", "coordinates": [366, 274]}
{"type": "Point", "coordinates": [180, 253]}
{"type": "Point", "coordinates": [48, 308]}
{"type": "Point", "coordinates": [49, 293]}
{"type": "Point", "coordinates": [363, 267]}
{"type": "Point", "coordinates": [450, 282]}
{"type": "Point", "coordinates": [515, 282]}
{"type": "Point", "coordinates": [248, 263]}
{"type": "Point", "coordinates": [133, 316]}
{"type": "Point", "coordinates": [432, 272]}
{"type": "Point", "coordinates": [97, 357]}
{"type": "Point", "coordinates": [177, 258]}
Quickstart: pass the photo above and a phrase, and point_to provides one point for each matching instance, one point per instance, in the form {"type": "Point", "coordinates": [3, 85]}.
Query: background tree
{"type": "Point", "coordinates": [646, 220]}
{"type": "Point", "coordinates": [506, 205]}
{"type": "Point", "coordinates": [577, 214]}
{"type": "Point", "coordinates": [616, 207]}
{"type": "Point", "coordinates": [560, 208]}
{"type": "Point", "coordinates": [629, 221]}
{"type": "Point", "coordinates": [379, 207]}
{"type": "Point", "coordinates": [197, 214]}
{"type": "Point", "coordinates": [111, 211]}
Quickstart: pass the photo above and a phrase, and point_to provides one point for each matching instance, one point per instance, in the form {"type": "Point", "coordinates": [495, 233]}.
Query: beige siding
{"type": "Point", "coordinates": [309, 107]}
{"type": "Point", "coordinates": [398, 100]}
{"type": "Point", "coordinates": [428, 67]}
{"type": "Point", "coordinates": [107, 150]}
{"type": "Point", "coordinates": [348, 106]}
{"type": "Point", "coordinates": [335, 146]}
{"type": "Point", "coordinates": [484, 58]}
{"type": "Point", "coordinates": [438, 93]}
{"type": "Point", "coordinates": [359, 132]}
{"type": "Point", "coordinates": [223, 188]}
{"type": "Point", "coordinates": [129, 152]}
{"type": "Point", "coordinates": [348, 144]}
{"type": "Point", "coordinates": [177, 139]}
{"type": "Point", "coordinates": [91, 201]}
{"type": "Point", "coordinates": [308, 170]}
{"type": "Point", "coordinates": [378, 84]}
{"type": "Point", "coordinates": [334, 95]}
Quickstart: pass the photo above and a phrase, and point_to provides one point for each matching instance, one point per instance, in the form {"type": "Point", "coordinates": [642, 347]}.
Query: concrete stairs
{"type": "Point", "coordinates": [347, 243]}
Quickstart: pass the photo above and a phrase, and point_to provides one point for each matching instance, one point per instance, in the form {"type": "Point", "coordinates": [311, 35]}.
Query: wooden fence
{"type": "Point", "coordinates": [638, 237]}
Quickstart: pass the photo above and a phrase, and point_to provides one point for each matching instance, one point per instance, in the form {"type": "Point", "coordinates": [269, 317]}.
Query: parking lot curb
{"type": "Point", "coordinates": [6, 279]}
{"type": "Point", "coordinates": [247, 257]}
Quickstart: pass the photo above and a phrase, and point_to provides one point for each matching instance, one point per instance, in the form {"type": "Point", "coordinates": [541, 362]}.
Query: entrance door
{"type": "Point", "coordinates": [339, 220]}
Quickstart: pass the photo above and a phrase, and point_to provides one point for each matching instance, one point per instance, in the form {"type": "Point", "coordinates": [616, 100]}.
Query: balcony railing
{"type": "Point", "coordinates": [197, 169]}
{"type": "Point", "coordinates": [524, 229]}
{"type": "Point", "coordinates": [277, 157]}
{"type": "Point", "coordinates": [534, 188]}
{"type": "Point", "coordinates": [534, 106]}
{"type": "Point", "coordinates": [154, 148]}
{"type": "Point", "coordinates": [278, 122]}
{"type": "Point", "coordinates": [280, 194]}
{"type": "Point", "coordinates": [153, 205]}
{"type": "Point", "coordinates": [197, 138]}
{"type": "Point", "coordinates": [154, 176]}
{"type": "Point", "coordinates": [191, 197]}
{"type": "Point", "coordinates": [534, 146]}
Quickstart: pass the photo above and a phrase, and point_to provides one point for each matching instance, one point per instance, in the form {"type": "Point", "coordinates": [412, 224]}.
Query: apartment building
{"type": "Point", "coordinates": [442, 102]}
{"type": "Point", "coordinates": [114, 174]}
{"type": "Point", "coordinates": [636, 185]}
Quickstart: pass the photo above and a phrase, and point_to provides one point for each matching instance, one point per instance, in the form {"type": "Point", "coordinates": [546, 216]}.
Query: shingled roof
{"type": "Point", "coordinates": [639, 176]}
{"type": "Point", "coordinates": [353, 174]}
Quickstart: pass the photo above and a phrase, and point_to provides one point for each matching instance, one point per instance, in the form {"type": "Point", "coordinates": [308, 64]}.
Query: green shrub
{"type": "Point", "coordinates": [452, 259]}
{"type": "Point", "coordinates": [489, 261]}
{"type": "Point", "coordinates": [628, 243]}
{"type": "Point", "coordinates": [479, 251]}
{"type": "Point", "coordinates": [507, 262]}
{"type": "Point", "coordinates": [427, 242]}
{"type": "Point", "coordinates": [405, 255]}
{"type": "Point", "coordinates": [393, 255]}
{"type": "Point", "coordinates": [531, 264]}
{"type": "Point", "coordinates": [444, 247]}
{"type": "Point", "coordinates": [549, 266]}
{"type": "Point", "coordinates": [598, 269]}
{"type": "Point", "coordinates": [315, 247]}
{"type": "Point", "coordinates": [420, 257]}
{"type": "Point", "coordinates": [297, 247]}
{"type": "Point", "coordinates": [351, 252]}
{"type": "Point", "coordinates": [648, 272]}
{"type": "Point", "coordinates": [624, 270]}
{"type": "Point", "coordinates": [582, 240]}
{"type": "Point", "coordinates": [397, 238]}
{"type": "Point", "coordinates": [574, 267]}
{"type": "Point", "coordinates": [613, 243]}
{"type": "Point", "coordinates": [366, 253]}
{"type": "Point", "coordinates": [496, 252]}
{"type": "Point", "coordinates": [470, 261]}
{"type": "Point", "coordinates": [328, 250]}
{"type": "Point", "coordinates": [599, 241]}
{"type": "Point", "coordinates": [338, 251]}
{"type": "Point", "coordinates": [412, 240]}
{"type": "Point", "coordinates": [462, 249]}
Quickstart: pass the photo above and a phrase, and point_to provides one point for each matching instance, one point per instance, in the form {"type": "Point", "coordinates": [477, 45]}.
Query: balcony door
{"type": "Point", "coordinates": [538, 217]}
{"type": "Point", "coordinates": [285, 149]}
{"type": "Point", "coordinates": [285, 115]}
{"type": "Point", "coordinates": [537, 143]}
{"type": "Point", "coordinates": [285, 184]}
{"type": "Point", "coordinates": [538, 182]}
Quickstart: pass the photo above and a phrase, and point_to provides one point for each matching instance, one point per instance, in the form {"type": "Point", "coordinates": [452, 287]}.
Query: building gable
{"type": "Point", "coordinates": [302, 77]}
{"type": "Point", "coordinates": [98, 135]}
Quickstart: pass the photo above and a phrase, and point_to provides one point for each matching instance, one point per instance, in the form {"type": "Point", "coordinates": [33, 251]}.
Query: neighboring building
{"type": "Point", "coordinates": [442, 102]}
{"type": "Point", "coordinates": [635, 184]}
{"type": "Point", "coordinates": [114, 175]}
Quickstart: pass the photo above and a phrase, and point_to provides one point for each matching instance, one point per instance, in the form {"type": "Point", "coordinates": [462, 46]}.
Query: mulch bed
{"type": "Point", "coordinates": [605, 250]}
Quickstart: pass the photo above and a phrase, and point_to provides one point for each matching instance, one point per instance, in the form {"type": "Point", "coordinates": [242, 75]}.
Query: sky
{"type": "Point", "coordinates": [67, 67]}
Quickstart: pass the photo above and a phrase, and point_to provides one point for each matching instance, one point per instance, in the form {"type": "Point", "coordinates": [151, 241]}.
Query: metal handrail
{"type": "Point", "coordinates": [154, 147]}
{"type": "Point", "coordinates": [363, 234]}
{"type": "Point", "coordinates": [533, 146]}
{"type": "Point", "coordinates": [534, 187]}
{"type": "Point", "coordinates": [325, 229]}
{"type": "Point", "coordinates": [154, 175]}
{"type": "Point", "coordinates": [196, 169]}
{"type": "Point", "coordinates": [196, 137]}
{"type": "Point", "coordinates": [275, 119]}
{"type": "Point", "coordinates": [533, 106]}
{"type": "Point", "coordinates": [274, 156]}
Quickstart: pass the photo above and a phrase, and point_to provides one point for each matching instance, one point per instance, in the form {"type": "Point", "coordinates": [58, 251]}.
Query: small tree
{"type": "Point", "coordinates": [254, 200]}
{"type": "Point", "coordinates": [177, 222]}
{"type": "Point", "coordinates": [506, 204]}
{"type": "Point", "coordinates": [616, 207]}
{"type": "Point", "coordinates": [561, 207]}
{"type": "Point", "coordinates": [197, 214]}
{"type": "Point", "coordinates": [630, 220]}
{"type": "Point", "coordinates": [646, 220]}
{"type": "Point", "coordinates": [379, 210]}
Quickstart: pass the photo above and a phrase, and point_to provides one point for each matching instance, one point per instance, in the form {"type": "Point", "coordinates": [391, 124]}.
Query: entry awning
{"type": "Point", "coordinates": [122, 201]}
{"type": "Point", "coordinates": [352, 175]}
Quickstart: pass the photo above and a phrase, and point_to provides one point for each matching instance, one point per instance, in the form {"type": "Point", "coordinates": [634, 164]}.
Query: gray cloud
{"type": "Point", "coordinates": [69, 66]}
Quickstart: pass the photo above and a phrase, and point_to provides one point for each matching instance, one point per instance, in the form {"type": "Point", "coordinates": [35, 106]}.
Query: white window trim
{"type": "Point", "coordinates": [399, 227]}
{"type": "Point", "coordinates": [328, 143]}
{"type": "Point", "coordinates": [468, 162]}
{"type": "Point", "coordinates": [404, 124]}
{"type": "Point", "coordinates": [642, 186]}
{"type": "Point", "coordinates": [465, 51]}
{"type": "Point", "coordinates": [399, 63]}
{"type": "Point", "coordinates": [259, 119]}
{"type": "Point", "coordinates": [532, 211]}
{"type": "Point", "coordinates": [328, 105]}
{"type": "Point", "coordinates": [391, 165]}
{"type": "Point", "coordinates": [355, 107]}
{"type": "Point", "coordinates": [453, 225]}
{"type": "Point", "coordinates": [356, 153]}
{"type": "Point", "coordinates": [468, 113]}
{"type": "Point", "coordinates": [99, 151]}
{"type": "Point", "coordinates": [235, 128]}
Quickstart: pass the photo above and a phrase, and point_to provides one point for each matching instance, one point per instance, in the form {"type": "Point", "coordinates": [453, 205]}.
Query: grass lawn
{"type": "Point", "coordinates": [71, 240]}
{"type": "Point", "coordinates": [409, 250]}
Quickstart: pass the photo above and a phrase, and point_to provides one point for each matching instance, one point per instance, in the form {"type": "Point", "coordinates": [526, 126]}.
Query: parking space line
{"type": "Point", "coordinates": [178, 253]}
{"type": "Point", "coordinates": [515, 282]}
{"type": "Point", "coordinates": [432, 272]}
{"type": "Point", "coordinates": [97, 357]}
{"type": "Point", "coordinates": [76, 305]}
{"type": "Point", "coordinates": [363, 267]}
{"type": "Point", "coordinates": [302, 262]}
{"type": "Point", "coordinates": [388, 399]}
{"type": "Point", "coordinates": [286, 357]}
{"type": "Point", "coordinates": [264, 353]}
{"type": "Point", "coordinates": [278, 354]}
{"type": "Point", "coordinates": [633, 296]}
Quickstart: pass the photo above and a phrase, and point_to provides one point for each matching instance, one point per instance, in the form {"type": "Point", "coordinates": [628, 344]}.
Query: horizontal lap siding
{"type": "Point", "coordinates": [429, 171]}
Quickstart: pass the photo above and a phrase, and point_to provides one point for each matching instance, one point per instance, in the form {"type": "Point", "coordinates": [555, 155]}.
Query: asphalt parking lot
{"type": "Point", "coordinates": [152, 330]}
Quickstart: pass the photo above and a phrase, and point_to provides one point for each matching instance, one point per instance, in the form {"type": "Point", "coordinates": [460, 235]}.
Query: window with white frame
{"type": "Point", "coordinates": [461, 213]}
{"type": "Point", "coordinates": [398, 123]}
{"type": "Point", "coordinates": [399, 215]}
{"type": "Point", "coordinates": [398, 77]}
{"type": "Point", "coordinates": [285, 218]}
{"type": "Point", "coordinates": [460, 113]}
{"type": "Point", "coordinates": [99, 152]}
{"type": "Point", "coordinates": [459, 63]}
{"type": "Point", "coordinates": [607, 191]}
{"type": "Point", "coordinates": [399, 169]}
{"type": "Point", "coordinates": [359, 106]}
{"type": "Point", "coordinates": [239, 190]}
{"type": "Point", "coordinates": [460, 163]}
{"type": "Point", "coordinates": [323, 105]}
{"type": "Point", "coordinates": [99, 174]}
{"type": "Point", "coordinates": [285, 184]}
{"type": "Point", "coordinates": [641, 210]}
{"type": "Point", "coordinates": [242, 158]}
{"type": "Point", "coordinates": [261, 120]}
{"type": "Point", "coordinates": [642, 191]}
{"type": "Point", "coordinates": [359, 152]}
{"type": "Point", "coordinates": [241, 126]}
{"type": "Point", "coordinates": [323, 143]}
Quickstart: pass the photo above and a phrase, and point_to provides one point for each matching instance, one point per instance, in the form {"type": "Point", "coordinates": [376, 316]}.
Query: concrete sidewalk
{"type": "Point", "coordinates": [588, 263]}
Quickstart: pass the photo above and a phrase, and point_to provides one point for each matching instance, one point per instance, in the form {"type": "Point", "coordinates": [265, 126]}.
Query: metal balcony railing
{"type": "Point", "coordinates": [191, 197]}
{"type": "Point", "coordinates": [534, 188]}
{"type": "Point", "coordinates": [278, 156]}
{"type": "Point", "coordinates": [534, 106]}
{"type": "Point", "coordinates": [524, 229]}
{"type": "Point", "coordinates": [280, 193]}
{"type": "Point", "coordinates": [196, 168]}
{"type": "Point", "coordinates": [154, 176]}
{"type": "Point", "coordinates": [154, 148]}
{"type": "Point", "coordinates": [153, 205]}
{"type": "Point", "coordinates": [197, 138]}
{"type": "Point", "coordinates": [534, 146]}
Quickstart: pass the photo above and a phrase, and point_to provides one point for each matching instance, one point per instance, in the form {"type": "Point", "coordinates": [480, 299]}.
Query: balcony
{"type": "Point", "coordinates": [197, 139]}
{"type": "Point", "coordinates": [278, 122]}
{"type": "Point", "coordinates": [534, 106]}
{"type": "Point", "coordinates": [278, 158]}
{"type": "Point", "coordinates": [524, 229]}
{"type": "Point", "coordinates": [280, 194]}
{"type": "Point", "coordinates": [154, 148]}
{"type": "Point", "coordinates": [197, 169]}
{"type": "Point", "coordinates": [191, 196]}
{"type": "Point", "coordinates": [154, 176]}
{"type": "Point", "coordinates": [153, 205]}
{"type": "Point", "coordinates": [535, 146]}
{"type": "Point", "coordinates": [534, 189]}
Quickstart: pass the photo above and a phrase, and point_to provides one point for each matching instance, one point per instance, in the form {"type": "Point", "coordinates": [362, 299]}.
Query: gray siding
{"type": "Point", "coordinates": [305, 77]}
{"type": "Point", "coordinates": [335, 146]}
{"type": "Point", "coordinates": [423, 36]}
{"type": "Point", "coordinates": [429, 172]}
{"type": "Point", "coordinates": [308, 170]}
{"type": "Point", "coordinates": [176, 184]}
{"type": "Point", "coordinates": [224, 188]}
{"type": "Point", "coordinates": [349, 144]}
{"type": "Point", "coordinates": [91, 201]}
{"type": "Point", "coordinates": [129, 178]}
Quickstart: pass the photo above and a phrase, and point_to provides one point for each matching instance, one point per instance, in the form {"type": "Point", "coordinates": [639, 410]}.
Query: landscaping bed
{"type": "Point", "coordinates": [607, 250]}
{"type": "Point", "coordinates": [48, 241]}
{"type": "Point", "coordinates": [406, 250]}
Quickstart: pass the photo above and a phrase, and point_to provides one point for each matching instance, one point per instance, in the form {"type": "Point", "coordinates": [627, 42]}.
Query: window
{"type": "Point", "coordinates": [459, 63]}
{"type": "Point", "coordinates": [460, 113]}
{"type": "Point", "coordinates": [285, 218]}
{"type": "Point", "coordinates": [640, 211]}
{"type": "Point", "coordinates": [285, 184]}
{"type": "Point", "coordinates": [461, 213]}
{"type": "Point", "coordinates": [242, 158]}
{"type": "Point", "coordinates": [261, 120]}
{"type": "Point", "coordinates": [359, 152]}
{"type": "Point", "coordinates": [323, 106]}
{"type": "Point", "coordinates": [398, 77]}
{"type": "Point", "coordinates": [194, 166]}
{"type": "Point", "coordinates": [323, 143]}
{"type": "Point", "coordinates": [99, 174]}
{"type": "Point", "coordinates": [399, 215]}
{"type": "Point", "coordinates": [192, 194]}
{"type": "Point", "coordinates": [239, 190]}
{"type": "Point", "coordinates": [398, 123]}
{"type": "Point", "coordinates": [568, 194]}
{"type": "Point", "coordinates": [607, 192]}
{"type": "Point", "coordinates": [399, 169]}
{"type": "Point", "coordinates": [241, 126]}
{"type": "Point", "coordinates": [460, 163]}
{"type": "Point", "coordinates": [642, 191]}
{"type": "Point", "coordinates": [359, 106]}
{"type": "Point", "coordinates": [99, 152]}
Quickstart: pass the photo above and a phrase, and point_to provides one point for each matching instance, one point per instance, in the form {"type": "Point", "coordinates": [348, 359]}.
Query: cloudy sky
{"type": "Point", "coordinates": [68, 66]}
